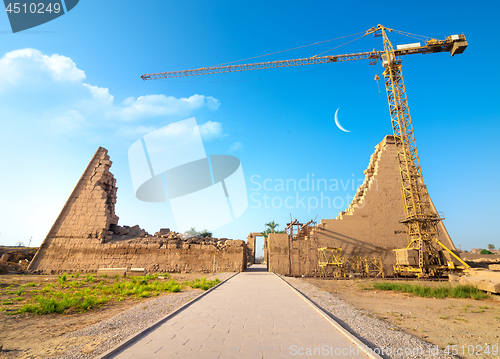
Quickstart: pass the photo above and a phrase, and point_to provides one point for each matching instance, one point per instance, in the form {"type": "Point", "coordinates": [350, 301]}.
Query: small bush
{"type": "Point", "coordinates": [485, 251]}
{"type": "Point", "coordinates": [442, 291]}
{"type": "Point", "coordinates": [62, 279]}
{"type": "Point", "coordinates": [19, 290]}
{"type": "Point", "coordinates": [48, 288]}
{"type": "Point", "coordinates": [31, 284]}
{"type": "Point", "coordinates": [203, 283]}
{"type": "Point", "coordinates": [90, 278]}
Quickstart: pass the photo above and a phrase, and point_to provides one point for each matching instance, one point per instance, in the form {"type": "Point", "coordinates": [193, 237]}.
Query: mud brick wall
{"type": "Point", "coordinates": [279, 253]}
{"type": "Point", "coordinates": [153, 254]}
{"type": "Point", "coordinates": [86, 236]}
{"type": "Point", "coordinates": [369, 227]}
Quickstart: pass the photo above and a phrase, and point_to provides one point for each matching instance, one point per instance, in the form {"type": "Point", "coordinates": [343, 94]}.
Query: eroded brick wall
{"type": "Point", "coordinates": [369, 227]}
{"type": "Point", "coordinates": [86, 236]}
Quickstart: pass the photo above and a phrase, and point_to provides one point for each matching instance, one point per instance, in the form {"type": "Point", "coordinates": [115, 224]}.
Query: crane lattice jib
{"type": "Point", "coordinates": [264, 65]}
{"type": "Point", "coordinates": [447, 45]}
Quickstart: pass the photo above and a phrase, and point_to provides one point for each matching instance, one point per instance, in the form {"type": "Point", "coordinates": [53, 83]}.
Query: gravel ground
{"type": "Point", "coordinates": [110, 332]}
{"type": "Point", "coordinates": [373, 332]}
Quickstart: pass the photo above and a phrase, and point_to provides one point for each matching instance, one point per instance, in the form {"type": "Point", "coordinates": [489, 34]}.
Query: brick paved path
{"type": "Point", "coordinates": [253, 315]}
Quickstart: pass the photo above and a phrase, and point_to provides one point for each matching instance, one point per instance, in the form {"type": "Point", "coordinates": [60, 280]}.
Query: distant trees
{"type": "Point", "coordinates": [205, 233]}
{"type": "Point", "coordinates": [491, 247]}
{"type": "Point", "coordinates": [20, 244]}
{"type": "Point", "coordinates": [485, 251]}
{"type": "Point", "coordinates": [191, 232]}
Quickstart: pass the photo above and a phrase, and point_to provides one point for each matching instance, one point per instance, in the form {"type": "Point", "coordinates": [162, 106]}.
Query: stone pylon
{"type": "Point", "coordinates": [87, 216]}
{"type": "Point", "coordinates": [369, 227]}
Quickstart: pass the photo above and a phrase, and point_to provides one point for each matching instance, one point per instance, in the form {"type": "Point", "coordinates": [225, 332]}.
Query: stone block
{"type": "Point", "coordinates": [482, 284]}
{"type": "Point", "coordinates": [234, 243]}
{"type": "Point", "coordinates": [5, 258]}
{"type": "Point", "coordinates": [134, 272]}
{"type": "Point", "coordinates": [110, 272]}
{"type": "Point", "coordinates": [481, 273]}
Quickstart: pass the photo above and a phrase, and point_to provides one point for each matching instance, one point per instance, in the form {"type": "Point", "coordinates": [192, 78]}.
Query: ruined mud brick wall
{"type": "Point", "coordinates": [279, 253]}
{"type": "Point", "coordinates": [86, 236]}
{"type": "Point", "coordinates": [369, 227]}
{"type": "Point", "coordinates": [151, 253]}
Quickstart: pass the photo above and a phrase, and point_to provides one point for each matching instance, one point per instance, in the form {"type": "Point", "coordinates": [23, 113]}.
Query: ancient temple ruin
{"type": "Point", "coordinates": [369, 227]}
{"type": "Point", "coordinates": [86, 236]}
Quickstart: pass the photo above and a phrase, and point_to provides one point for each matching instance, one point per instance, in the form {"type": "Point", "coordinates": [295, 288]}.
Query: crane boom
{"type": "Point", "coordinates": [454, 44]}
{"type": "Point", "coordinates": [420, 219]}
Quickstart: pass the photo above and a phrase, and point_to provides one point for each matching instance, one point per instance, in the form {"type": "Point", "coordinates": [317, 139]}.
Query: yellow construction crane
{"type": "Point", "coordinates": [423, 256]}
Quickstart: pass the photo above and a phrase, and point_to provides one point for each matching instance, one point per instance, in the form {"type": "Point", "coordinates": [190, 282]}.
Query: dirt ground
{"type": "Point", "coordinates": [42, 336]}
{"type": "Point", "coordinates": [442, 322]}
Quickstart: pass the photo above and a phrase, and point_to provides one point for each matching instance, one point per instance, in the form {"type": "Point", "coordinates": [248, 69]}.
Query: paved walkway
{"type": "Point", "coordinates": [252, 315]}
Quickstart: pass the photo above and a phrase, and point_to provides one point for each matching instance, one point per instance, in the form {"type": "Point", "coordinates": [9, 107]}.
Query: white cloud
{"type": "Point", "coordinates": [211, 130]}
{"type": "Point", "coordinates": [161, 105]}
{"type": "Point", "coordinates": [208, 130]}
{"type": "Point", "coordinates": [235, 147]}
{"type": "Point", "coordinates": [62, 67]}
{"type": "Point", "coordinates": [100, 94]}
{"type": "Point", "coordinates": [19, 65]}
{"type": "Point", "coordinates": [55, 90]}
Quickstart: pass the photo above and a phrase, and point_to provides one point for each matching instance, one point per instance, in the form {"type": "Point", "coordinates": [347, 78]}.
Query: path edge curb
{"type": "Point", "coordinates": [109, 353]}
{"type": "Point", "coordinates": [337, 326]}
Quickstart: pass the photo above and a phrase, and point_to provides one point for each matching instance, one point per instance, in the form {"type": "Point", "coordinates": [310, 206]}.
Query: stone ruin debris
{"type": "Point", "coordinates": [86, 236]}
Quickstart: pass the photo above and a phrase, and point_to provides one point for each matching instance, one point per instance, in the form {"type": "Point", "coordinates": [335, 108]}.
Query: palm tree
{"type": "Point", "coordinates": [272, 226]}
{"type": "Point", "coordinates": [192, 232]}
{"type": "Point", "coordinates": [206, 233]}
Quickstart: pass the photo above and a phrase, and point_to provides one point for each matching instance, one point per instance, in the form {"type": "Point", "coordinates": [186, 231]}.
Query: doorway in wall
{"type": "Point", "coordinates": [259, 249]}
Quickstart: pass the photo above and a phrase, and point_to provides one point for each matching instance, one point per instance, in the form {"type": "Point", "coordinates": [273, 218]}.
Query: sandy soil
{"type": "Point", "coordinates": [442, 322]}
{"type": "Point", "coordinates": [42, 336]}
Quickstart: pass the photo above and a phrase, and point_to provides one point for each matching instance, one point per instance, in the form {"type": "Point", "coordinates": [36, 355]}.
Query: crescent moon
{"type": "Point", "coordinates": [338, 123]}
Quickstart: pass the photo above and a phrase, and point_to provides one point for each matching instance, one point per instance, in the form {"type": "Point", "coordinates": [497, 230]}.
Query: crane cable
{"type": "Point", "coordinates": [415, 36]}
{"type": "Point", "coordinates": [295, 48]}
{"type": "Point", "coordinates": [336, 47]}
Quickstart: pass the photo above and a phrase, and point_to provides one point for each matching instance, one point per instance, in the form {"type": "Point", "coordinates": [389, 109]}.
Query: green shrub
{"type": "Point", "coordinates": [485, 251]}
{"type": "Point", "coordinates": [19, 290]}
{"type": "Point", "coordinates": [203, 283]}
{"type": "Point", "coordinates": [31, 284]}
{"type": "Point", "coordinates": [62, 279]}
{"type": "Point", "coordinates": [441, 291]}
{"type": "Point", "coordinates": [48, 288]}
{"type": "Point", "coordinates": [61, 303]}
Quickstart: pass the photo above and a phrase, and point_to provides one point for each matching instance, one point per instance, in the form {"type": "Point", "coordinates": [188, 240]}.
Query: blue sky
{"type": "Point", "coordinates": [73, 84]}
